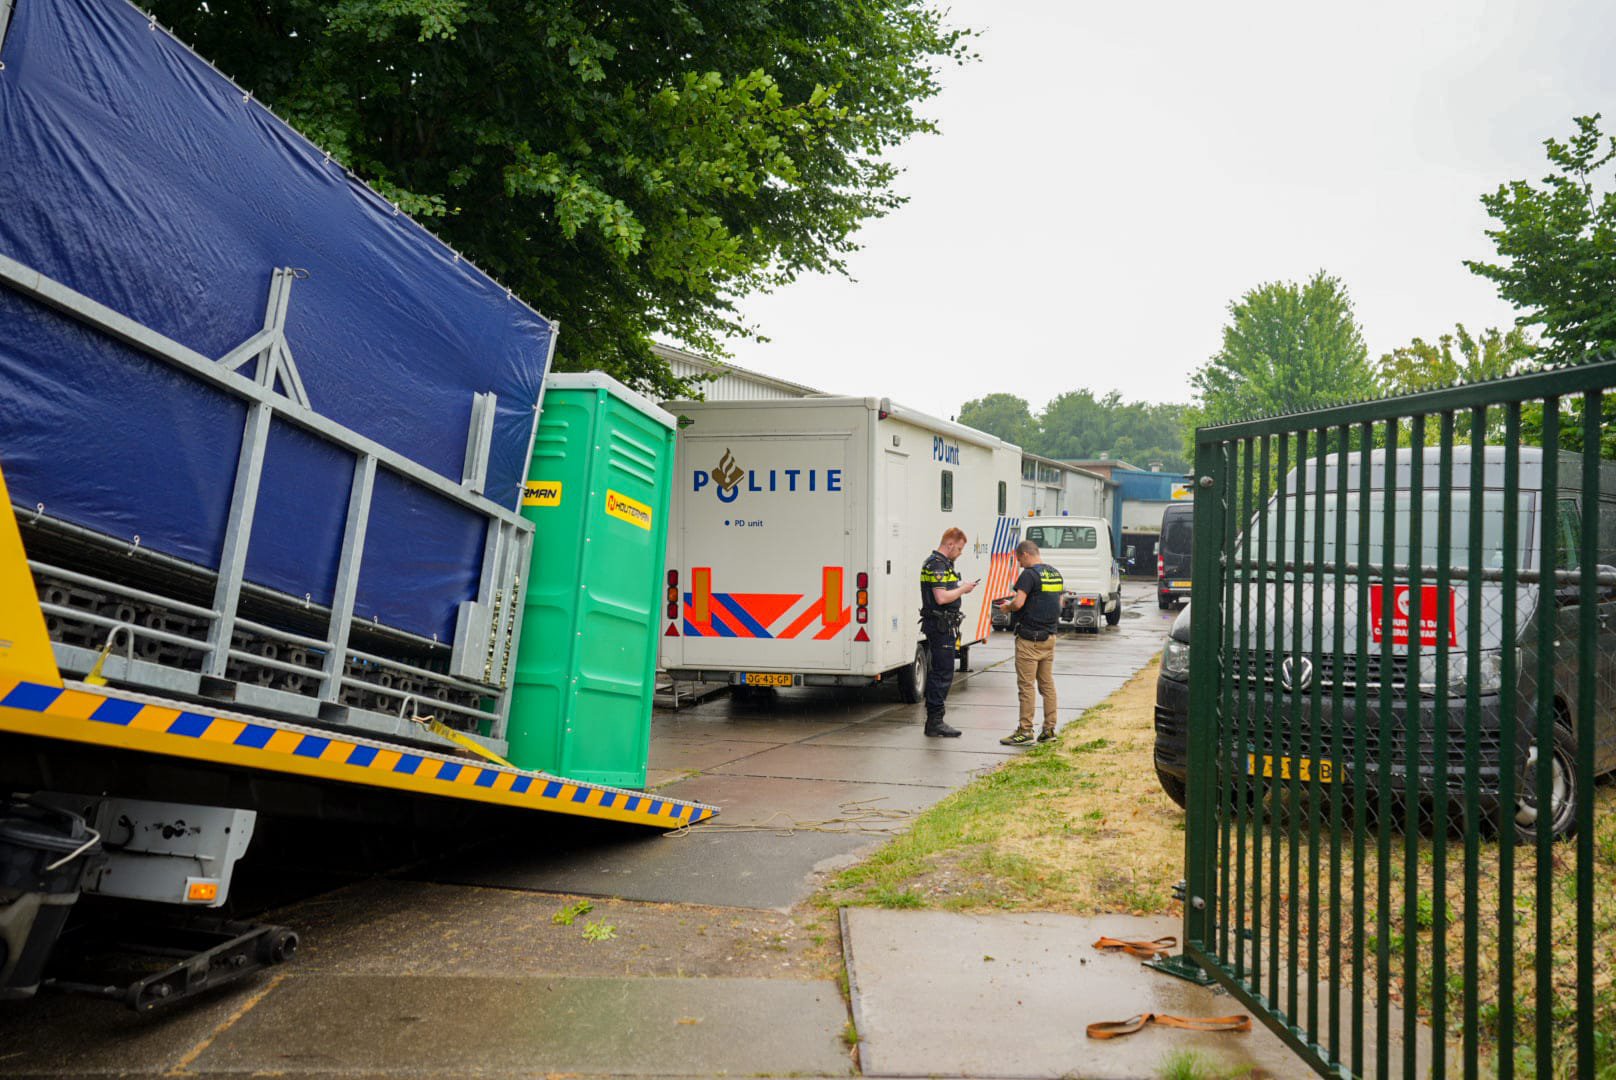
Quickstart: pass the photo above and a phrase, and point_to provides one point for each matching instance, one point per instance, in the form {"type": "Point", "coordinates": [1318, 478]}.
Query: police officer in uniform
{"type": "Point", "coordinates": [940, 615]}
{"type": "Point", "coordinates": [1035, 608]}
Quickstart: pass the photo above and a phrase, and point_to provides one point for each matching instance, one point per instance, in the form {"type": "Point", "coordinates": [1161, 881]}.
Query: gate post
{"type": "Point", "coordinates": [1206, 677]}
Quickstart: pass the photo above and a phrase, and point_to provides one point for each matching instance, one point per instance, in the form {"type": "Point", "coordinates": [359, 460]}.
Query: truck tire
{"type": "Point", "coordinates": [1164, 602]}
{"type": "Point", "coordinates": [1114, 616]}
{"type": "Point", "coordinates": [912, 679]}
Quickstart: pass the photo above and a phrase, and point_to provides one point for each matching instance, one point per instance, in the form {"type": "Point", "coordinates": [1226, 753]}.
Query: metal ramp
{"type": "Point", "coordinates": [140, 724]}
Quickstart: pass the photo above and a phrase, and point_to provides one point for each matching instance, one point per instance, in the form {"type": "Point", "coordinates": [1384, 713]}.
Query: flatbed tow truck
{"type": "Point", "coordinates": [271, 555]}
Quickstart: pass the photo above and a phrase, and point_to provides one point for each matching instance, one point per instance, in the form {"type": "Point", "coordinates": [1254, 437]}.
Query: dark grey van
{"type": "Point", "coordinates": [1279, 675]}
{"type": "Point", "coordinates": [1173, 555]}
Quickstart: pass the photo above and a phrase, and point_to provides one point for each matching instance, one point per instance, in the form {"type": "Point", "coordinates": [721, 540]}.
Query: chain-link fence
{"type": "Point", "coordinates": [1402, 838]}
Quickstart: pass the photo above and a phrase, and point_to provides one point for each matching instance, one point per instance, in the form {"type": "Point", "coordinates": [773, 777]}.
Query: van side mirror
{"type": "Point", "coordinates": [1570, 595]}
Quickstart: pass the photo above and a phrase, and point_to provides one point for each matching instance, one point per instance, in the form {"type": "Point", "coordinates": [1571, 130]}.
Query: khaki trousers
{"type": "Point", "coordinates": [1035, 663]}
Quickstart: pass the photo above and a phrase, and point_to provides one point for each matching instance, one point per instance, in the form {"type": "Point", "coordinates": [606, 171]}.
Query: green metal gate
{"type": "Point", "coordinates": [1404, 645]}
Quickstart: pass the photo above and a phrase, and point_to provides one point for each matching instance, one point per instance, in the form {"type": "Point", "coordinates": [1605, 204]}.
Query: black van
{"type": "Point", "coordinates": [1278, 676]}
{"type": "Point", "coordinates": [1173, 555]}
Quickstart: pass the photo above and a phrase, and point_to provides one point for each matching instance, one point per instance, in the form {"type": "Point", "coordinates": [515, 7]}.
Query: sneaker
{"type": "Point", "coordinates": [1020, 738]}
{"type": "Point", "coordinates": [941, 730]}
{"type": "Point", "coordinates": [1045, 735]}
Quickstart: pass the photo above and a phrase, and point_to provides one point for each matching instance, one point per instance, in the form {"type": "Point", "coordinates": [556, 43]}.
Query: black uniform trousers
{"type": "Point", "coordinates": [940, 676]}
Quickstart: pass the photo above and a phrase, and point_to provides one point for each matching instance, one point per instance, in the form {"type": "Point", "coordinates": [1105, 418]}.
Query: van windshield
{"type": "Point", "coordinates": [1177, 532]}
{"type": "Point", "coordinates": [1491, 509]}
{"type": "Point", "coordinates": [1064, 537]}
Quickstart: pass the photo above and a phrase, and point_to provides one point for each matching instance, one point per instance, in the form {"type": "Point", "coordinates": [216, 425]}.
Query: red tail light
{"type": "Point", "coordinates": [673, 609]}
{"type": "Point", "coordinates": [862, 581]}
{"type": "Point", "coordinates": [673, 579]}
{"type": "Point", "coordinates": [1161, 566]}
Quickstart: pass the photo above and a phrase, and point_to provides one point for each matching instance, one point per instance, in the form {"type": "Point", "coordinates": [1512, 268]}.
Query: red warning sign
{"type": "Point", "coordinates": [1400, 613]}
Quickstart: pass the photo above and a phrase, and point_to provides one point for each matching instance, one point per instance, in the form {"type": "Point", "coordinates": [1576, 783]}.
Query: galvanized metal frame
{"type": "Point", "coordinates": [277, 392]}
{"type": "Point", "coordinates": [1224, 908]}
{"type": "Point", "coordinates": [5, 23]}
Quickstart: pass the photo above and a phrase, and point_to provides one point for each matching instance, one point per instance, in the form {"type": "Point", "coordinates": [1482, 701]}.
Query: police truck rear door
{"type": "Point", "coordinates": [764, 545]}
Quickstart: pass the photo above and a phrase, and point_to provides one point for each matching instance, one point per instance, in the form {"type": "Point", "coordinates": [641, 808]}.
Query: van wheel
{"type": "Point", "coordinates": [1114, 616]}
{"type": "Point", "coordinates": [1164, 602]}
{"type": "Point", "coordinates": [1174, 787]}
{"type": "Point", "coordinates": [1563, 785]}
{"type": "Point", "coordinates": [912, 679]}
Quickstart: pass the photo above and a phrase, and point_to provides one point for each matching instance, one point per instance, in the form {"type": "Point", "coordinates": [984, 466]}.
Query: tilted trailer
{"type": "Point", "coordinates": [263, 541]}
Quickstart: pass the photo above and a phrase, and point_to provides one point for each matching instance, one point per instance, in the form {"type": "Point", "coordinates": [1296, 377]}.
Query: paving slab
{"type": "Point", "coordinates": [980, 740]}
{"type": "Point", "coordinates": [385, 926]}
{"type": "Point", "coordinates": [1019, 991]}
{"type": "Point", "coordinates": [683, 752]}
{"type": "Point", "coordinates": [939, 994]}
{"type": "Point", "coordinates": [557, 1024]}
{"type": "Point", "coordinates": [712, 866]}
{"type": "Point", "coordinates": [742, 729]}
{"type": "Point", "coordinates": [788, 804]}
{"type": "Point", "coordinates": [50, 1035]}
{"type": "Point", "coordinates": [928, 765]}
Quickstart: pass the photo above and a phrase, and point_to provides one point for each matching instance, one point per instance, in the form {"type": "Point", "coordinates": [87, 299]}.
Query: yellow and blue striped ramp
{"type": "Point", "coordinates": [119, 719]}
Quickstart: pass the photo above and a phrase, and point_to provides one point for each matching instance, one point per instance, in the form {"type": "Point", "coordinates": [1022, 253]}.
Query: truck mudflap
{"type": "Point", "coordinates": [137, 723]}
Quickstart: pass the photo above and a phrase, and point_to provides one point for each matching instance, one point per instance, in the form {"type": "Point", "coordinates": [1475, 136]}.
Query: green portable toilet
{"type": "Point", "coordinates": [597, 494]}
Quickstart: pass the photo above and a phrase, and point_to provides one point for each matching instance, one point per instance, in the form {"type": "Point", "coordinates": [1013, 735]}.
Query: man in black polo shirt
{"type": "Point", "coordinates": [1036, 611]}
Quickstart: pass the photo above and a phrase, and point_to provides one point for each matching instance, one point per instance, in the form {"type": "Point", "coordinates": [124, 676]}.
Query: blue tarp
{"type": "Point", "coordinates": [133, 172]}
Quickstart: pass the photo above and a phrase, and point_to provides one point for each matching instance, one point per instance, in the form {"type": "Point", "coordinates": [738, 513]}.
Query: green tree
{"type": "Point", "coordinates": [1004, 415]}
{"type": "Point", "coordinates": [1459, 357]}
{"type": "Point", "coordinates": [631, 168]}
{"type": "Point", "coordinates": [1077, 425]}
{"type": "Point", "coordinates": [1454, 358]}
{"type": "Point", "coordinates": [1286, 347]}
{"type": "Point", "coordinates": [1557, 246]}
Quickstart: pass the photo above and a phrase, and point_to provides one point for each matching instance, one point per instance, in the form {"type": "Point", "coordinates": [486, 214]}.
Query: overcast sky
{"type": "Point", "coordinates": [1110, 176]}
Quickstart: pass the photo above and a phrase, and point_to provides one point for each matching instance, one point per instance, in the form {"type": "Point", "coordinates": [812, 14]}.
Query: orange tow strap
{"type": "Point", "coordinates": [1145, 950]}
{"type": "Point", "coordinates": [1111, 1029]}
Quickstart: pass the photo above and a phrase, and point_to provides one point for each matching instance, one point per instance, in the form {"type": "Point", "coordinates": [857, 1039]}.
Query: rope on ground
{"type": "Point", "coordinates": [1111, 1029]}
{"type": "Point", "coordinates": [856, 816]}
{"type": "Point", "coordinates": [1145, 950]}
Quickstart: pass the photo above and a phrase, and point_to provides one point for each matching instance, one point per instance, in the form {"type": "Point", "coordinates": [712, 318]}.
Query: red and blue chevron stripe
{"type": "Point", "coordinates": [1001, 570]}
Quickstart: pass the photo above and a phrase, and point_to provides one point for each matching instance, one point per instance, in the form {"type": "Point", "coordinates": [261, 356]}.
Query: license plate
{"type": "Point", "coordinates": [767, 678]}
{"type": "Point", "coordinates": [1181, 585]}
{"type": "Point", "coordinates": [1290, 768]}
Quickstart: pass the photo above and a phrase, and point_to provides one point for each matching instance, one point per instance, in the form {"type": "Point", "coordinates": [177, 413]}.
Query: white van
{"type": "Point", "coordinates": [1081, 549]}
{"type": "Point", "coordinates": [796, 533]}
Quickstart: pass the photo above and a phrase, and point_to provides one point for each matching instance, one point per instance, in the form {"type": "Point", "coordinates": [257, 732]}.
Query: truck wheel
{"type": "Point", "coordinates": [1172, 785]}
{"type": "Point", "coordinates": [1114, 616]}
{"type": "Point", "coordinates": [912, 679]}
{"type": "Point", "coordinates": [1164, 602]}
{"type": "Point", "coordinates": [965, 658]}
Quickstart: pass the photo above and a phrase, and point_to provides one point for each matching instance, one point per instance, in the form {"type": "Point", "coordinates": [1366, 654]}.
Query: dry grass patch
{"type": "Point", "coordinates": [1077, 826]}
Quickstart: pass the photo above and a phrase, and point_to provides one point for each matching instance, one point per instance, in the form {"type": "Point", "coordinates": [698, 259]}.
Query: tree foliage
{"type": "Point", "coordinates": [1004, 415]}
{"type": "Point", "coordinates": [630, 168]}
{"type": "Point", "coordinates": [1457, 357]}
{"type": "Point", "coordinates": [1557, 243]}
{"type": "Point", "coordinates": [1286, 347]}
{"type": "Point", "coordinates": [1077, 425]}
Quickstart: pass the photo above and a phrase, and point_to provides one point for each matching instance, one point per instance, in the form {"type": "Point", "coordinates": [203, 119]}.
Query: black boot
{"type": "Point", "coordinates": [939, 729]}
